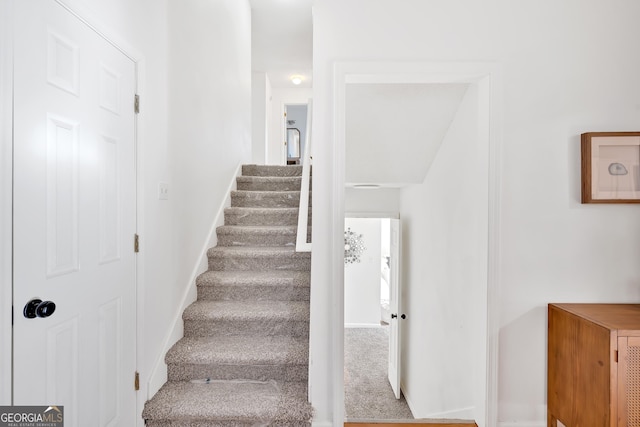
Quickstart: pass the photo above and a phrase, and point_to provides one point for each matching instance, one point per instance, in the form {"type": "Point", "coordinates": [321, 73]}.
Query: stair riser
{"type": "Point", "coordinates": [249, 238]}
{"type": "Point", "coordinates": [253, 293]}
{"type": "Point", "coordinates": [256, 240]}
{"type": "Point", "coordinates": [271, 170]}
{"type": "Point", "coordinates": [265, 201]}
{"type": "Point", "coordinates": [263, 263]}
{"type": "Point", "coordinates": [293, 185]}
{"type": "Point", "coordinates": [212, 328]}
{"type": "Point", "coordinates": [188, 372]}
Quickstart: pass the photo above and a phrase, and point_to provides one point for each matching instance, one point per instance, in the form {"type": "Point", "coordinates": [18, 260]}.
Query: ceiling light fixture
{"type": "Point", "coordinates": [296, 79]}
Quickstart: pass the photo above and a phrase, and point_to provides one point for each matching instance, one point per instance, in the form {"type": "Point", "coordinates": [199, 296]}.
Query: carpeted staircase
{"type": "Point", "coordinates": [243, 360]}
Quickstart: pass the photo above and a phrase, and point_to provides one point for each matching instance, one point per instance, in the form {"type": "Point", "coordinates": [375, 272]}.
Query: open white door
{"type": "Point", "coordinates": [394, 307]}
{"type": "Point", "coordinates": [74, 219]}
{"type": "Point", "coordinates": [285, 149]}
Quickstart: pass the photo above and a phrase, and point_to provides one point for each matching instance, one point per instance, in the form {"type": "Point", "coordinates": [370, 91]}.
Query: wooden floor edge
{"type": "Point", "coordinates": [413, 424]}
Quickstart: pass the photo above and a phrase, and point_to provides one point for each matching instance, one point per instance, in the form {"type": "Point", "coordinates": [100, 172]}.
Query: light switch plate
{"type": "Point", "coordinates": [163, 191]}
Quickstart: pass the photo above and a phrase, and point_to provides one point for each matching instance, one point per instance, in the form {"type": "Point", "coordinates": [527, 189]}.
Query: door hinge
{"type": "Point", "coordinates": [615, 356]}
{"type": "Point", "coordinates": [136, 103]}
{"type": "Point", "coordinates": [12, 316]}
{"type": "Point", "coordinates": [136, 381]}
{"type": "Point", "coordinates": [136, 243]}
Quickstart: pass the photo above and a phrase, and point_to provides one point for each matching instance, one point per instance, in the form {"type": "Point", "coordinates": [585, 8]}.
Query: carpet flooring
{"type": "Point", "coordinates": [368, 394]}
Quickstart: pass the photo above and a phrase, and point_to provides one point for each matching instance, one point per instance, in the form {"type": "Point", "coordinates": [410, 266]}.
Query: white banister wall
{"type": "Point", "coordinates": [302, 245]}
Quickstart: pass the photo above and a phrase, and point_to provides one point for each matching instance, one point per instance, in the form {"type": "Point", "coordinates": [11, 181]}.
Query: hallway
{"type": "Point", "coordinates": [368, 394]}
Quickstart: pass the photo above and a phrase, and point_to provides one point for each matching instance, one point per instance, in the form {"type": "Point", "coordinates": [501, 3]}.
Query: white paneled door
{"type": "Point", "coordinates": [74, 219]}
{"type": "Point", "coordinates": [397, 317]}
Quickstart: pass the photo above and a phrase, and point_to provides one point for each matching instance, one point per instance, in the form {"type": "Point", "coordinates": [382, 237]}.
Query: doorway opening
{"type": "Point", "coordinates": [295, 125]}
{"type": "Point", "coordinates": [482, 214]}
{"type": "Point", "coordinates": [372, 320]}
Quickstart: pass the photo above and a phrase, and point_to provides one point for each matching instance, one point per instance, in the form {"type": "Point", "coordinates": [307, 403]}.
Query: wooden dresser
{"type": "Point", "coordinates": [593, 371]}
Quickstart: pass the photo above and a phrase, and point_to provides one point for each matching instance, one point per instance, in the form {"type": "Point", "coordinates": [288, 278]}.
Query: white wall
{"type": "Point", "coordinates": [567, 68]}
{"type": "Point", "coordinates": [442, 275]}
{"type": "Point", "coordinates": [281, 96]}
{"type": "Point", "coordinates": [210, 126]}
{"type": "Point", "coordinates": [6, 159]}
{"type": "Point", "coordinates": [381, 202]}
{"type": "Point", "coordinates": [260, 116]}
{"type": "Point", "coordinates": [362, 280]}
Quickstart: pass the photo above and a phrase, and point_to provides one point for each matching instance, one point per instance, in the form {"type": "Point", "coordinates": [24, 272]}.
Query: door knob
{"type": "Point", "coordinates": [395, 316]}
{"type": "Point", "coordinates": [38, 308]}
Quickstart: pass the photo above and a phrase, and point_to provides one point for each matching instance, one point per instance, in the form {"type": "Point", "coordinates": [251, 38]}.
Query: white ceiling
{"type": "Point", "coordinates": [394, 131]}
{"type": "Point", "coordinates": [282, 40]}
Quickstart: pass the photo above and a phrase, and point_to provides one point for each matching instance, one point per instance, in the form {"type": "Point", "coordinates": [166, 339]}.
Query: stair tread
{"type": "Point", "coordinates": [271, 170]}
{"type": "Point", "coordinates": [230, 400]}
{"type": "Point", "coordinates": [247, 310]}
{"type": "Point", "coordinates": [264, 278]}
{"type": "Point", "coordinates": [258, 350]}
{"type": "Point", "coordinates": [243, 209]}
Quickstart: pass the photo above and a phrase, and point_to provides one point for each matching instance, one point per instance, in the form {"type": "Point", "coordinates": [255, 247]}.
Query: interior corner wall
{"type": "Point", "coordinates": [261, 105]}
{"type": "Point", "coordinates": [281, 96]}
{"type": "Point", "coordinates": [566, 68]}
{"type": "Point", "coordinates": [441, 274]}
{"type": "Point", "coordinates": [362, 279]}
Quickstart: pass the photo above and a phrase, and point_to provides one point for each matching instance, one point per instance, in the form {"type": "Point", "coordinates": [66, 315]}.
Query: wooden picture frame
{"type": "Point", "coordinates": [610, 167]}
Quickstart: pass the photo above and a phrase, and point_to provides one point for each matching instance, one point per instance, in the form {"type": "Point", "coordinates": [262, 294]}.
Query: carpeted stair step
{"type": "Point", "coordinates": [222, 318]}
{"type": "Point", "coordinates": [261, 216]}
{"type": "Point", "coordinates": [270, 285]}
{"type": "Point", "coordinates": [255, 235]}
{"type": "Point", "coordinates": [269, 183]}
{"type": "Point", "coordinates": [257, 358]}
{"type": "Point", "coordinates": [229, 404]}
{"type": "Point", "coordinates": [258, 258]}
{"type": "Point", "coordinates": [266, 199]}
{"type": "Point", "coordinates": [271, 170]}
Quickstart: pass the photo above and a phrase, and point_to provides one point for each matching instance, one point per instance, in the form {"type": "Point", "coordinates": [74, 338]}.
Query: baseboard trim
{"type": "Point", "coordinates": [159, 373]}
{"type": "Point", "coordinates": [467, 413]}
{"type": "Point", "coordinates": [363, 325]}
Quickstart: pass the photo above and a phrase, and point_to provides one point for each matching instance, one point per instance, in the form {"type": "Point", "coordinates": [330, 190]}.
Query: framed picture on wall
{"type": "Point", "coordinates": [611, 167]}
